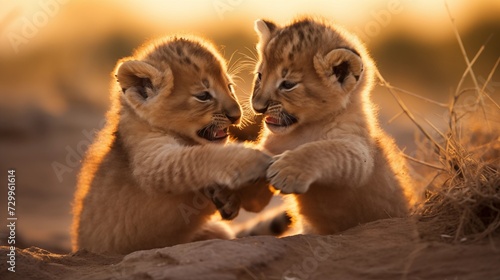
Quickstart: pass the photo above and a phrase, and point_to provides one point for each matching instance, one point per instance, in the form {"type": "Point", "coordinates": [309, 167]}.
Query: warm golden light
{"type": "Point", "coordinates": [56, 58]}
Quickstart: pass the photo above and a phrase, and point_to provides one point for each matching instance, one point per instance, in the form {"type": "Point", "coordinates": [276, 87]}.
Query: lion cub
{"type": "Point", "coordinates": [144, 180]}
{"type": "Point", "coordinates": [312, 86]}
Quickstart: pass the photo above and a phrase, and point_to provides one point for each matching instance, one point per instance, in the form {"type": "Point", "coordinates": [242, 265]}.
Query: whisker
{"type": "Point", "coordinates": [252, 52]}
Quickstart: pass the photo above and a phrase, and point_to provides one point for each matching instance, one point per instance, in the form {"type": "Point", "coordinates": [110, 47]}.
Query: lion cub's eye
{"type": "Point", "coordinates": [204, 96]}
{"type": "Point", "coordinates": [287, 85]}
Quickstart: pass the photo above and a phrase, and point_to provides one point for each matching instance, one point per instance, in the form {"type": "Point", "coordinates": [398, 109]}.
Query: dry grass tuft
{"type": "Point", "coordinates": [463, 201]}
{"type": "Point", "coordinates": [462, 198]}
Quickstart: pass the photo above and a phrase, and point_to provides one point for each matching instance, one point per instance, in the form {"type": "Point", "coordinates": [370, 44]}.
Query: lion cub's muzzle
{"type": "Point", "coordinates": [218, 128]}
{"type": "Point", "coordinates": [276, 116]}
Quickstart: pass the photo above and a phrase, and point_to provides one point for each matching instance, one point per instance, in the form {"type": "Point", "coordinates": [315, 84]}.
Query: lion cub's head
{"type": "Point", "coordinates": [179, 86]}
{"type": "Point", "coordinates": [308, 71]}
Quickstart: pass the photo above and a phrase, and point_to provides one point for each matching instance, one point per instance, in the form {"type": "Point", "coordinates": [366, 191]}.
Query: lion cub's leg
{"type": "Point", "coordinates": [225, 200]}
{"type": "Point", "coordinates": [255, 196]}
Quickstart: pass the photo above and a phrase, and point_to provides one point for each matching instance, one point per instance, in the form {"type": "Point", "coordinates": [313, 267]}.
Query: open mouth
{"type": "Point", "coordinates": [213, 133]}
{"type": "Point", "coordinates": [284, 120]}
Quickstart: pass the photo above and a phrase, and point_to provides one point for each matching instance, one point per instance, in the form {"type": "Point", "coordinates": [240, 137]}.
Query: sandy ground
{"type": "Point", "coordinates": [385, 249]}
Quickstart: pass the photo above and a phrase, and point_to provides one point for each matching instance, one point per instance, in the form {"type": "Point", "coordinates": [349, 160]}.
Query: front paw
{"type": "Point", "coordinates": [289, 175]}
{"type": "Point", "coordinates": [226, 201]}
{"type": "Point", "coordinates": [250, 168]}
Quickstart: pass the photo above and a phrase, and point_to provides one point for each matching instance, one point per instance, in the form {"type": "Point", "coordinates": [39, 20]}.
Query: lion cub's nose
{"type": "Point", "coordinates": [260, 110]}
{"type": "Point", "coordinates": [233, 119]}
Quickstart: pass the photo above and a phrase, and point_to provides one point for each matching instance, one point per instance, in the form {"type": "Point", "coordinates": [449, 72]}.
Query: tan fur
{"type": "Point", "coordinates": [149, 163]}
{"type": "Point", "coordinates": [330, 152]}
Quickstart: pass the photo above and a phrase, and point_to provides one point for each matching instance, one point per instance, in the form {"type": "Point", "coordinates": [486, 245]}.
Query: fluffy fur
{"type": "Point", "coordinates": [148, 179]}
{"type": "Point", "coordinates": [312, 85]}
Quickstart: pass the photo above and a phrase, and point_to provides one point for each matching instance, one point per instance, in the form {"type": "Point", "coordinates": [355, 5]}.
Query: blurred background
{"type": "Point", "coordinates": [56, 58]}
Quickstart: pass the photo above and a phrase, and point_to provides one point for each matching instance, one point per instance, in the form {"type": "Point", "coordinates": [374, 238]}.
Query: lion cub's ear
{"type": "Point", "coordinates": [141, 81]}
{"type": "Point", "coordinates": [339, 68]}
{"type": "Point", "coordinates": [264, 29]}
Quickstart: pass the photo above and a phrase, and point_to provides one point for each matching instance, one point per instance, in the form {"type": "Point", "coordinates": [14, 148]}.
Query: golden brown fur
{"type": "Point", "coordinates": [148, 179]}
{"type": "Point", "coordinates": [313, 85]}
